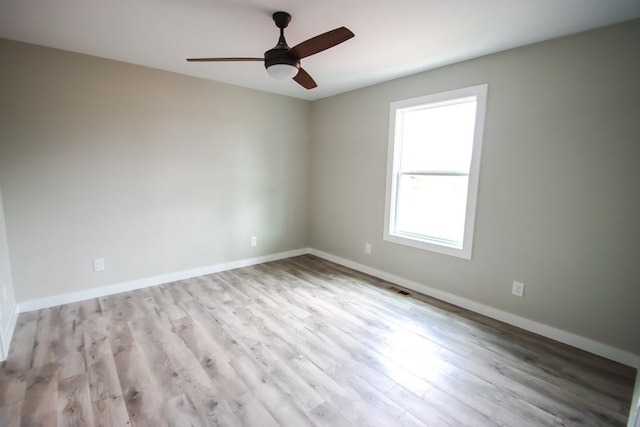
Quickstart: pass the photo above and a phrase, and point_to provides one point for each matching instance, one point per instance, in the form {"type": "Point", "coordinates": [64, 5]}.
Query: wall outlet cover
{"type": "Point", "coordinates": [98, 264]}
{"type": "Point", "coordinates": [517, 289]}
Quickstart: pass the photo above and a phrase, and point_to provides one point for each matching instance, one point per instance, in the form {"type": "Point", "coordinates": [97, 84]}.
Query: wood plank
{"type": "Point", "coordinates": [125, 306]}
{"type": "Point", "coordinates": [110, 411]}
{"type": "Point", "coordinates": [45, 350]}
{"type": "Point", "coordinates": [178, 292]}
{"type": "Point", "coordinates": [74, 402]}
{"type": "Point", "coordinates": [20, 355]}
{"type": "Point", "coordinates": [146, 407]}
{"type": "Point", "coordinates": [350, 405]}
{"type": "Point", "coordinates": [144, 403]}
{"type": "Point", "coordinates": [173, 368]}
{"type": "Point", "coordinates": [166, 303]}
{"type": "Point", "coordinates": [71, 349]}
{"type": "Point", "coordinates": [262, 386]}
{"type": "Point", "coordinates": [10, 415]}
{"type": "Point", "coordinates": [183, 412]}
{"type": "Point", "coordinates": [12, 386]}
{"type": "Point", "coordinates": [250, 412]}
{"type": "Point", "coordinates": [543, 399]}
{"type": "Point", "coordinates": [300, 341]}
{"type": "Point", "coordinates": [103, 377]}
{"type": "Point", "coordinates": [40, 406]}
{"type": "Point", "coordinates": [212, 357]}
{"type": "Point", "coordinates": [326, 415]}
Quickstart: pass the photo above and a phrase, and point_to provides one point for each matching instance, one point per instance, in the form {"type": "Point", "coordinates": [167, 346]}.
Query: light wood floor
{"type": "Point", "coordinates": [299, 342]}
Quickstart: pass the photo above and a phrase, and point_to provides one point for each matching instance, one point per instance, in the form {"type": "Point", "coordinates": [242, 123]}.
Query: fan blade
{"type": "Point", "coordinates": [223, 59]}
{"type": "Point", "coordinates": [321, 42]}
{"type": "Point", "coordinates": [305, 80]}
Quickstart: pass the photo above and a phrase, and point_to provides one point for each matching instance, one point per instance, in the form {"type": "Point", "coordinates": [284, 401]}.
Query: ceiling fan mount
{"type": "Point", "coordinates": [281, 19]}
{"type": "Point", "coordinates": [283, 61]}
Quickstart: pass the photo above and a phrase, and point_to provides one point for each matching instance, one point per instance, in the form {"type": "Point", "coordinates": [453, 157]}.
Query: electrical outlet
{"type": "Point", "coordinates": [254, 241]}
{"type": "Point", "coordinates": [517, 289]}
{"type": "Point", "coordinates": [367, 248]}
{"type": "Point", "coordinates": [98, 264]}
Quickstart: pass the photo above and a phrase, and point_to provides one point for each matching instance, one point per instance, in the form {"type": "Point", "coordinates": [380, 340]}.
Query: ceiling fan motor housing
{"type": "Point", "coordinates": [280, 56]}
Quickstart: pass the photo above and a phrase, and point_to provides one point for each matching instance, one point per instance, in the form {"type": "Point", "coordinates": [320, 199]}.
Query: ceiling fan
{"type": "Point", "coordinates": [283, 62]}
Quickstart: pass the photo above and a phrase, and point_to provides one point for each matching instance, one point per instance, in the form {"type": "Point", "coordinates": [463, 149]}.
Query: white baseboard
{"type": "Point", "coordinates": [569, 338]}
{"type": "Point", "coordinates": [595, 347]}
{"type": "Point", "coordinates": [7, 334]}
{"type": "Point", "coordinates": [55, 300]}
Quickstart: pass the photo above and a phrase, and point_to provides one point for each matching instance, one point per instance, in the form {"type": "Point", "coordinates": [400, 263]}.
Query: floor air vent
{"type": "Point", "coordinates": [399, 291]}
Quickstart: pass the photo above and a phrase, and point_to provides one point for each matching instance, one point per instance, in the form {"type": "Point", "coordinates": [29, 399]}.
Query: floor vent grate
{"type": "Point", "coordinates": [399, 291]}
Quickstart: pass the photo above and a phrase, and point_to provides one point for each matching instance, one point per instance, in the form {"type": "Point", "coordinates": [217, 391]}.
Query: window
{"type": "Point", "coordinates": [433, 167]}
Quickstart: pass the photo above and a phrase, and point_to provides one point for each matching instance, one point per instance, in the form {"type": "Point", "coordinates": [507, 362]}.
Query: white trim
{"type": "Point", "coordinates": [595, 347]}
{"type": "Point", "coordinates": [7, 334]}
{"type": "Point", "coordinates": [569, 338]}
{"type": "Point", "coordinates": [55, 300]}
{"type": "Point", "coordinates": [394, 150]}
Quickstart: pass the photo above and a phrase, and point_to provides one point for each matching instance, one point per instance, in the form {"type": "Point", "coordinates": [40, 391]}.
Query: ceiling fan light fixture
{"type": "Point", "coordinates": [282, 71]}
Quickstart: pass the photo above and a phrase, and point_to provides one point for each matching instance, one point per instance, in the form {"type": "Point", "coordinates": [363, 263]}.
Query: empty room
{"type": "Point", "coordinates": [286, 213]}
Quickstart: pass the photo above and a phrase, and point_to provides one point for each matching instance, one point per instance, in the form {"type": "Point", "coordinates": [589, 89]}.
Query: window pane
{"type": "Point", "coordinates": [432, 207]}
{"type": "Point", "coordinates": [438, 138]}
{"type": "Point", "coordinates": [433, 168]}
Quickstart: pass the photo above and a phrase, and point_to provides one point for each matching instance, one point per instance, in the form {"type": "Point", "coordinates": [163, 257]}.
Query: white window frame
{"type": "Point", "coordinates": [393, 166]}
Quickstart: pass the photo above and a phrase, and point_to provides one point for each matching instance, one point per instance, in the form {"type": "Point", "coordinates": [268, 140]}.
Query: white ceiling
{"type": "Point", "coordinates": [394, 38]}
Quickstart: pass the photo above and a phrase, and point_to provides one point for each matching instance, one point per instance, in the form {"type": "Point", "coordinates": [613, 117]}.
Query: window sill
{"type": "Point", "coordinates": [431, 246]}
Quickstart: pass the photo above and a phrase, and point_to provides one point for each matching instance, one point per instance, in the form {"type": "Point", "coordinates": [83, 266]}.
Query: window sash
{"type": "Point", "coordinates": [433, 209]}
{"type": "Point", "coordinates": [395, 173]}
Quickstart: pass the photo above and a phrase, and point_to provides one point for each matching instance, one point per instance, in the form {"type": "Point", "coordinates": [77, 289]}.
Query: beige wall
{"type": "Point", "coordinates": [154, 172]}
{"type": "Point", "coordinates": [558, 200]}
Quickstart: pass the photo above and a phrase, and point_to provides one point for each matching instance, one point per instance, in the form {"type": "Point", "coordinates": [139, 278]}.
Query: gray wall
{"type": "Point", "coordinates": [558, 201]}
{"type": "Point", "coordinates": [155, 172]}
